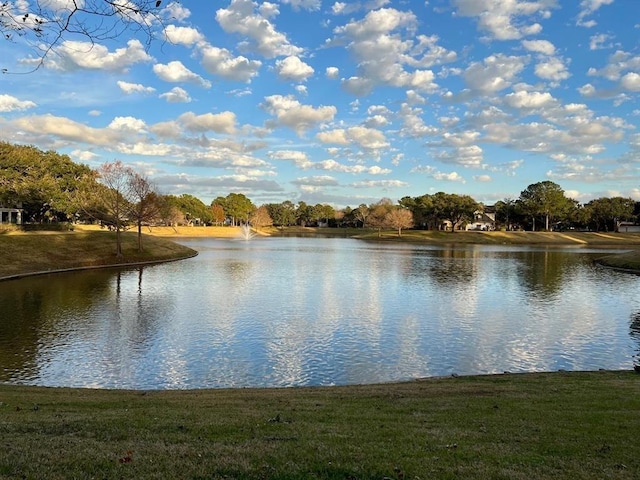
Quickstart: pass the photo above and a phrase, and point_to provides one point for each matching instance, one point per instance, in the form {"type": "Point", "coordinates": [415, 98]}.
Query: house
{"type": "Point", "coordinates": [11, 215]}
{"type": "Point", "coordinates": [483, 219]}
{"type": "Point", "coordinates": [628, 227]}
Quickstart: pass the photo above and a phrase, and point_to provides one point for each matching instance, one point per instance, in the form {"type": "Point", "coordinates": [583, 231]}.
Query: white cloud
{"type": "Point", "coordinates": [449, 177]}
{"type": "Point", "coordinates": [175, 11]}
{"type": "Point", "coordinates": [588, 7]}
{"type": "Point", "coordinates": [529, 100]}
{"type": "Point", "coordinates": [68, 130]}
{"type": "Point", "coordinates": [596, 42]}
{"type": "Point", "coordinates": [388, 52]}
{"type": "Point", "coordinates": [240, 18]}
{"type": "Point", "coordinates": [364, 137]}
{"type": "Point", "coordinates": [384, 184]}
{"type": "Point", "coordinates": [482, 178]}
{"type": "Point", "coordinates": [128, 123]}
{"type": "Point", "coordinates": [539, 46]}
{"type": "Point", "coordinates": [631, 82]}
{"type": "Point", "coordinates": [224, 122]}
{"type": "Point", "coordinates": [176, 95]}
{"type": "Point", "coordinates": [333, 166]}
{"type": "Point", "coordinates": [219, 61]}
{"type": "Point", "coordinates": [496, 73]}
{"type": "Point", "coordinates": [73, 55]}
{"type": "Point", "coordinates": [316, 180]}
{"type": "Point", "coordinates": [506, 20]}
{"type": "Point", "coordinates": [12, 104]}
{"type": "Point", "coordinates": [186, 36]}
{"type": "Point", "coordinates": [299, 159]}
{"type": "Point", "coordinates": [130, 88]}
{"type": "Point", "coordinates": [304, 4]}
{"type": "Point", "coordinates": [552, 69]}
{"type": "Point", "coordinates": [176, 72]}
{"type": "Point", "coordinates": [332, 73]}
{"type": "Point", "coordinates": [292, 68]}
{"type": "Point", "coordinates": [291, 113]}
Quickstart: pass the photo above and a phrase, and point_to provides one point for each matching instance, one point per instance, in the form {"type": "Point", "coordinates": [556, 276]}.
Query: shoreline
{"type": "Point", "coordinates": [88, 246]}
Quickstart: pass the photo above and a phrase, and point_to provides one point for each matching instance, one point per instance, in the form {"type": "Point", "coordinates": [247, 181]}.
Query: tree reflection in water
{"type": "Point", "coordinates": [634, 332]}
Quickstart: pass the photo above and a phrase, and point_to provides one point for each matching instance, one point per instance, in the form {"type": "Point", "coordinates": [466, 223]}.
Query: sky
{"type": "Point", "coordinates": [347, 103]}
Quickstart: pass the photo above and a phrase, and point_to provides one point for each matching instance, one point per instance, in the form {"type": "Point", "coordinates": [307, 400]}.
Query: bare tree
{"type": "Point", "coordinates": [260, 218]}
{"type": "Point", "coordinates": [361, 213]}
{"type": "Point", "coordinates": [378, 216]}
{"type": "Point", "coordinates": [145, 206]}
{"type": "Point", "coordinates": [399, 218]}
{"type": "Point", "coordinates": [114, 199]}
{"type": "Point", "coordinates": [46, 24]}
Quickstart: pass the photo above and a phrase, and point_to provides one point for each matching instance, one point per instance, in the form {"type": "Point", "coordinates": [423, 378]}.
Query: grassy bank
{"type": "Point", "coordinates": [542, 426]}
{"type": "Point", "coordinates": [25, 253]}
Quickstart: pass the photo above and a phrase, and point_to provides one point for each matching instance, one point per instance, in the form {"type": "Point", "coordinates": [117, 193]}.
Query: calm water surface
{"type": "Point", "coordinates": [306, 311]}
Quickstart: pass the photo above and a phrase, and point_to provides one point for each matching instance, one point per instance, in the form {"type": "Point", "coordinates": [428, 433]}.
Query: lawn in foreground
{"type": "Point", "coordinates": [524, 426]}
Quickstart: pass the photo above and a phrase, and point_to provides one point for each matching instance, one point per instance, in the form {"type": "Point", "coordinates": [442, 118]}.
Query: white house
{"type": "Point", "coordinates": [483, 219]}
{"type": "Point", "coordinates": [11, 215]}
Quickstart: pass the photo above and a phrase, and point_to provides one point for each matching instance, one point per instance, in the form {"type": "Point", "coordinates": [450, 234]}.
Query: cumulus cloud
{"type": "Point", "coordinates": [317, 181]}
{"type": "Point", "coordinates": [529, 100]}
{"type": "Point", "coordinates": [128, 123]}
{"type": "Point", "coordinates": [333, 166]}
{"type": "Point", "coordinates": [220, 61]}
{"type": "Point", "coordinates": [69, 130]}
{"type": "Point", "coordinates": [224, 122]}
{"type": "Point", "coordinates": [364, 137]}
{"type": "Point", "coordinates": [240, 17]}
{"type": "Point", "coordinates": [631, 82]}
{"type": "Point", "coordinates": [346, 8]}
{"type": "Point", "coordinates": [12, 104]}
{"type": "Point", "coordinates": [539, 46]}
{"type": "Point", "coordinates": [389, 53]}
{"type": "Point", "coordinates": [496, 73]}
{"type": "Point", "coordinates": [292, 68]}
{"type": "Point", "coordinates": [434, 173]}
{"type": "Point", "coordinates": [176, 72]}
{"type": "Point", "coordinates": [131, 88]}
{"type": "Point", "coordinates": [587, 8]}
{"type": "Point", "coordinates": [384, 184]}
{"type": "Point", "coordinates": [508, 20]}
{"type": "Point", "coordinates": [596, 42]}
{"type": "Point", "coordinates": [332, 73]}
{"type": "Point", "coordinates": [298, 158]}
{"type": "Point", "coordinates": [552, 69]}
{"type": "Point", "coordinates": [291, 113]}
{"type": "Point", "coordinates": [311, 5]}
{"type": "Point", "coordinates": [186, 36]}
{"type": "Point", "coordinates": [176, 95]}
{"type": "Point", "coordinates": [73, 55]}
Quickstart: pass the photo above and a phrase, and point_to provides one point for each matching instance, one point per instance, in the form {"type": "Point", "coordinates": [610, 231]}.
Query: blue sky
{"type": "Point", "coordinates": [347, 102]}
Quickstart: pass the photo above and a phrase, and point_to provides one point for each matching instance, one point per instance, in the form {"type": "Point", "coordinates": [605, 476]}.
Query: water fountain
{"type": "Point", "coordinates": [246, 233]}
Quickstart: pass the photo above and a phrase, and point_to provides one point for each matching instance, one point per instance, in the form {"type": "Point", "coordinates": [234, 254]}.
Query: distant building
{"type": "Point", "coordinates": [11, 215]}
{"type": "Point", "coordinates": [628, 227]}
{"type": "Point", "coordinates": [483, 219]}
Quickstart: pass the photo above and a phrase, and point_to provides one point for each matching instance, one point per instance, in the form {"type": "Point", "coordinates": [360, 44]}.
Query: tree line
{"type": "Point", "coordinates": [50, 187]}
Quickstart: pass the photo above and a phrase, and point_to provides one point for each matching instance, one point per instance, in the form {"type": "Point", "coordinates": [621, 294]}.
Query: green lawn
{"type": "Point", "coordinates": [532, 426]}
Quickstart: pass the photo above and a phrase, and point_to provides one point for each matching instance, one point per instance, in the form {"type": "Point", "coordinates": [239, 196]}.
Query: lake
{"type": "Point", "coordinates": [281, 312]}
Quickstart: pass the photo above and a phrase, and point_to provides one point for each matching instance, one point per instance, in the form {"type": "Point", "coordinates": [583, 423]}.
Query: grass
{"type": "Point", "coordinates": [532, 426]}
{"type": "Point", "coordinates": [26, 253]}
